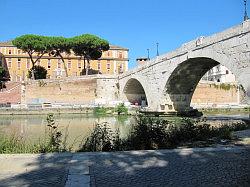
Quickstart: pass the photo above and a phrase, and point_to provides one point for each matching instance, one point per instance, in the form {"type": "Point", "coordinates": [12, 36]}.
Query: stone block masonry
{"type": "Point", "coordinates": [84, 90]}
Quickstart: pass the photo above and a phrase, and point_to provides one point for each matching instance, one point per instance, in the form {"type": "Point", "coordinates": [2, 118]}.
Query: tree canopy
{"type": "Point", "coordinates": [58, 46]}
{"type": "Point", "coordinates": [90, 47]}
{"type": "Point", "coordinates": [34, 45]}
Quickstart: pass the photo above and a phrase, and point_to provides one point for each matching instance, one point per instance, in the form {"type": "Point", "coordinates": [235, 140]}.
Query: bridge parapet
{"type": "Point", "coordinates": [169, 80]}
{"type": "Point", "coordinates": [193, 45]}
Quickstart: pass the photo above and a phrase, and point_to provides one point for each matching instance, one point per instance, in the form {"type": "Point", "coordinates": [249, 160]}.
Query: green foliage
{"type": "Point", "coordinates": [52, 142]}
{"type": "Point", "coordinates": [55, 136]}
{"type": "Point", "coordinates": [101, 139]}
{"type": "Point", "coordinates": [2, 72]}
{"type": "Point", "coordinates": [59, 45]}
{"type": "Point", "coordinates": [224, 86]}
{"type": "Point", "coordinates": [88, 46]}
{"type": "Point", "coordinates": [39, 72]}
{"type": "Point", "coordinates": [155, 133]}
{"type": "Point", "coordinates": [31, 43]}
{"type": "Point", "coordinates": [121, 109]}
{"type": "Point", "coordinates": [100, 110]}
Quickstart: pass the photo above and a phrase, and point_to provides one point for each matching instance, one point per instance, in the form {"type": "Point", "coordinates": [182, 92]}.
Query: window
{"type": "Point", "coordinates": [108, 65]}
{"type": "Point", "coordinates": [19, 51]}
{"type": "Point", "coordinates": [19, 63]}
{"type": "Point", "coordinates": [28, 64]}
{"type": "Point", "coordinates": [79, 64]}
{"type": "Point", "coordinates": [227, 72]}
{"type": "Point", "coordinates": [121, 68]}
{"type": "Point", "coordinates": [49, 64]}
{"type": "Point", "coordinates": [59, 64]}
{"type": "Point", "coordinates": [69, 63]}
{"type": "Point", "coordinates": [99, 65]}
{"type": "Point", "coordinates": [109, 53]}
{"type": "Point", "coordinates": [10, 51]}
{"type": "Point", "coordinates": [120, 54]}
{"type": "Point", "coordinates": [9, 62]}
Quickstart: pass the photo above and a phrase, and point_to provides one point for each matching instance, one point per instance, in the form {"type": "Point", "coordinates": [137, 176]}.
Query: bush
{"type": "Point", "coordinates": [39, 72]}
{"type": "Point", "coordinates": [155, 133]}
{"type": "Point", "coordinates": [2, 72]}
{"type": "Point", "coordinates": [121, 109]}
{"type": "Point", "coordinates": [90, 72]}
{"type": "Point", "coordinates": [101, 139]}
{"type": "Point", "coordinates": [100, 110]}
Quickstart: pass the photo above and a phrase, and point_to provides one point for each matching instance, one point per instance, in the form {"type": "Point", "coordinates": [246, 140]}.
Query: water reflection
{"type": "Point", "coordinates": [33, 127]}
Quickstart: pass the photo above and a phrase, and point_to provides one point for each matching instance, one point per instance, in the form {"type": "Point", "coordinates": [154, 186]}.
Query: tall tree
{"type": "Point", "coordinates": [90, 47]}
{"type": "Point", "coordinates": [58, 46]}
{"type": "Point", "coordinates": [36, 46]}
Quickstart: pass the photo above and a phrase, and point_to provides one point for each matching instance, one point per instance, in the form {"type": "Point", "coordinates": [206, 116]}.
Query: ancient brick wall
{"type": "Point", "coordinates": [214, 93]}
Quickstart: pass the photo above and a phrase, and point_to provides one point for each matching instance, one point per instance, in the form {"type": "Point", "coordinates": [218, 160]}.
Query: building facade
{"type": "Point", "coordinates": [17, 63]}
{"type": "Point", "coordinates": [219, 73]}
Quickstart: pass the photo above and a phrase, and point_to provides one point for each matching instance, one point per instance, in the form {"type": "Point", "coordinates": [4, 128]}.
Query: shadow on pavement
{"type": "Point", "coordinates": [34, 170]}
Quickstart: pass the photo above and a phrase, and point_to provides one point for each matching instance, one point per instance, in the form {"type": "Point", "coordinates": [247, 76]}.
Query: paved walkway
{"type": "Point", "coordinates": [180, 167]}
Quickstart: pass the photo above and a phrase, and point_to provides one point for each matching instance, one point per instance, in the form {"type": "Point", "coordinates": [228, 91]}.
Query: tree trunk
{"type": "Point", "coordinates": [84, 63]}
{"type": "Point", "coordinates": [64, 65]}
{"type": "Point", "coordinates": [87, 69]}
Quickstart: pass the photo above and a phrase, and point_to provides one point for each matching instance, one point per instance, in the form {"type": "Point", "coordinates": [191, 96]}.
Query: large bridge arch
{"type": "Point", "coordinates": [135, 92]}
{"type": "Point", "coordinates": [182, 82]}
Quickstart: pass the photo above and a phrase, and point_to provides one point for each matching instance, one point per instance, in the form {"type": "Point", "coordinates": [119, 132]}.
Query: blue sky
{"type": "Point", "coordinates": [134, 24]}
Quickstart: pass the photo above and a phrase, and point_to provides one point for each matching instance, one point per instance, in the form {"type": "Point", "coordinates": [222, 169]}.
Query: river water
{"type": "Point", "coordinates": [77, 126]}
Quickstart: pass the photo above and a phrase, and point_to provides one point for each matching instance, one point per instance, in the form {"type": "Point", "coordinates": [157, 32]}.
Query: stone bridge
{"type": "Point", "coordinates": [167, 82]}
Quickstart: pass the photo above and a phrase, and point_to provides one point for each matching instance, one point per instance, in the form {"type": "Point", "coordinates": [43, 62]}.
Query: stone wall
{"type": "Point", "coordinates": [213, 94]}
{"type": "Point", "coordinates": [84, 90]}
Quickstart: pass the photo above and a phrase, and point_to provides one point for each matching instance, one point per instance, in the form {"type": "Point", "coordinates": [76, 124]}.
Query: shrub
{"type": "Point", "coordinates": [39, 72]}
{"type": "Point", "coordinates": [102, 138]}
{"type": "Point", "coordinates": [100, 110]}
{"type": "Point", "coordinates": [90, 72]}
{"type": "Point", "coordinates": [121, 109]}
{"type": "Point", "coordinates": [154, 133]}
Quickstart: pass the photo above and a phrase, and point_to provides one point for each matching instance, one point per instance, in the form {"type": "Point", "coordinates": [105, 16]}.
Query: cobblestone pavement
{"type": "Point", "coordinates": [186, 167]}
{"type": "Point", "coordinates": [180, 167]}
{"type": "Point", "coordinates": [34, 170]}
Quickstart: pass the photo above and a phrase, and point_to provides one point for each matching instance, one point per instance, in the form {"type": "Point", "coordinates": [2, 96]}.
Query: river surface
{"type": "Point", "coordinates": [76, 126]}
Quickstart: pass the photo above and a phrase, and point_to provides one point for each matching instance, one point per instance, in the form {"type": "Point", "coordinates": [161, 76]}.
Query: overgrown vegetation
{"type": "Point", "coordinates": [224, 86]}
{"type": "Point", "coordinates": [100, 110]}
{"type": "Point", "coordinates": [52, 141]}
{"type": "Point", "coordinates": [156, 133]}
{"type": "Point", "coordinates": [121, 109]}
{"type": "Point", "coordinates": [145, 133]}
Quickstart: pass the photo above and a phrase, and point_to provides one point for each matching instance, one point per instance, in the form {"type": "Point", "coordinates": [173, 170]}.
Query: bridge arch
{"type": "Point", "coordinates": [135, 92]}
{"type": "Point", "coordinates": [182, 82]}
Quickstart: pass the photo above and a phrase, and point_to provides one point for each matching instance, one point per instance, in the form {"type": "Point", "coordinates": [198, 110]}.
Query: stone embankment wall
{"type": "Point", "coordinates": [70, 91]}
{"type": "Point", "coordinates": [104, 90]}
{"type": "Point", "coordinates": [213, 94]}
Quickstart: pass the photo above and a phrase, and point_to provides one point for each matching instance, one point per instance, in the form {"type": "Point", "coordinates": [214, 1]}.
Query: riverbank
{"type": "Point", "coordinates": [109, 110]}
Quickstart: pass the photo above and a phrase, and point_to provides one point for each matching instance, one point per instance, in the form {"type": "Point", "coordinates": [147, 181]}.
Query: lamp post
{"type": "Point", "coordinates": [148, 54]}
{"type": "Point", "coordinates": [245, 14]}
{"type": "Point", "coordinates": [157, 49]}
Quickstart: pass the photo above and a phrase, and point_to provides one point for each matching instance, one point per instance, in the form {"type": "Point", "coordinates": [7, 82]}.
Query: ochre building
{"type": "Point", "coordinates": [113, 61]}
